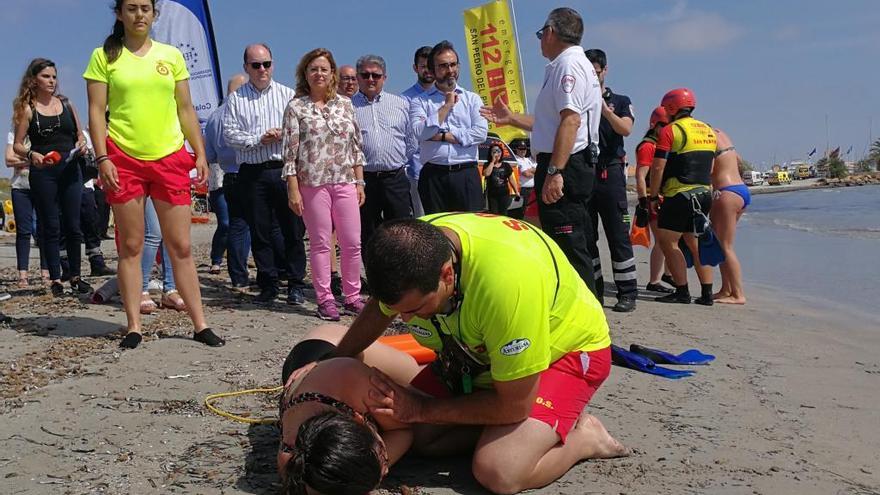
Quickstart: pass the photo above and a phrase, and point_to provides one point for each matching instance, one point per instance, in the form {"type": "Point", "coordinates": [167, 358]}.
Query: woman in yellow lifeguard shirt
{"type": "Point", "coordinates": [144, 85]}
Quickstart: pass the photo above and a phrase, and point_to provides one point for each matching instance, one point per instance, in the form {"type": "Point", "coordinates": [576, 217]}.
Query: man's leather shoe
{"type": "Point", "coordinates": [625, 304]}
{"type": "Point", "coordinates": [267, 295]}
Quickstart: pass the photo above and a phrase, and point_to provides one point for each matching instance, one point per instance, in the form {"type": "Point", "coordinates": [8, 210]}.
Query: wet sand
{"type": "Point", "coordinates": [789, 406]}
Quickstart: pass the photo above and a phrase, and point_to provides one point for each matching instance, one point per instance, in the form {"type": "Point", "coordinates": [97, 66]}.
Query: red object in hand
{"type": "Point", "coordinates": [52, 158]}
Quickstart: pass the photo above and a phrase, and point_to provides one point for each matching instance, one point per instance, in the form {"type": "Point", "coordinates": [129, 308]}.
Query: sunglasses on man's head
{"type": "Point", "coordinates": [372, 75]}
{"type": "Point", "coordinates": [257, 65]}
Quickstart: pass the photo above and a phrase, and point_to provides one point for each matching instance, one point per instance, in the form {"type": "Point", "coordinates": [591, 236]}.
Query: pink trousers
{"type": "Point", "coordinates": [323, 208]}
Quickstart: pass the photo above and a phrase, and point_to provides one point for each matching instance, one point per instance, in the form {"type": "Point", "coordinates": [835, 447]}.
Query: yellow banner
{"type": "Point", "coordinates": [494, 61]}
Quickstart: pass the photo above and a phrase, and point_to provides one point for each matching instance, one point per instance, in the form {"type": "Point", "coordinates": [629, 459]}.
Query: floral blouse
{"type": "Point", "coordinates": [321, 146]}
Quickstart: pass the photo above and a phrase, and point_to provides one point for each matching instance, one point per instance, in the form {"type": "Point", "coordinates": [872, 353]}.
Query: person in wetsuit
{"type": "Point", "coordinates": [730, 200]}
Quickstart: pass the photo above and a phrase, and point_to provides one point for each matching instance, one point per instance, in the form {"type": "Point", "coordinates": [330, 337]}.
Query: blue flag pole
{"type": "Point", "coordinates": [186, 25]}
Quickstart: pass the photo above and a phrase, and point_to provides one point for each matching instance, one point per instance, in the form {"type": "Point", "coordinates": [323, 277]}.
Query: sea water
{"type": "Point", "coordinates": [821, 244]}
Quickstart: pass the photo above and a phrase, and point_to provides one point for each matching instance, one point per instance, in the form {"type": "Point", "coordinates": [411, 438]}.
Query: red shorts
{"type": "Point", "coordinates": [166, 179]}
{"type": "Point", "coordinates": [565, 388]}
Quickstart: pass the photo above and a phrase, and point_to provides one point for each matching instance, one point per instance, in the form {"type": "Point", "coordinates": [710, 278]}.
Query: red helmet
{"type": "Point", "coordinates": [677, 99]}
{"type": "Point", "coordinates": [659, 116]}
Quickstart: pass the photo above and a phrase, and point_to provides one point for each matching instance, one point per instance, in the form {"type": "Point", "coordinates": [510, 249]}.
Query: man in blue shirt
{"type": "Point", "coordinates": [238, 236]}
{"type": "Point", "coordinates": [387, 144]}
{"type": "Point", "coordinates": [425, 81]}
{"type": "Point", "coordinates": [447, 122]}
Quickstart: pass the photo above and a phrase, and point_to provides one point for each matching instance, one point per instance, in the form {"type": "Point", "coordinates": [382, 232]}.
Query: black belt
{"type": "Point", "coordinates": [384, 173]}
{"type": "Point", "coordinates": [451, 168]}
{"type": "Point", "coordinates": [270, 165]}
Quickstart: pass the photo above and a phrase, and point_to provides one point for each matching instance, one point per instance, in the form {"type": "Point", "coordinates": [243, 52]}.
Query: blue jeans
{"type": "Point", "coordinates": [25, 228]}
{"type": "Point", "coordinates": [152, 242]}
{"type": "Point", "coordinates": [217, 200]}
{"type": "Point", "coordinates": [238, 238]}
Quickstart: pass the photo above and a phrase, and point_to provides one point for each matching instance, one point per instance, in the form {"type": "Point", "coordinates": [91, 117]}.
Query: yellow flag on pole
{"type": "Point", "coordinates": [494, 61]}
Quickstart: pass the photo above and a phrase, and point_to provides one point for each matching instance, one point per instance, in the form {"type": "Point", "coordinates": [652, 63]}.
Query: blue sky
{"type": "Point", "coordinates": [767, 72]}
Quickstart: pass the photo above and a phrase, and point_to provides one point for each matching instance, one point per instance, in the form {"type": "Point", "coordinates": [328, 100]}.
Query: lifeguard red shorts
{"type": "Point", "coordinates": [166, 179]}
{"type": "Point", "coordinates": [565, 388]}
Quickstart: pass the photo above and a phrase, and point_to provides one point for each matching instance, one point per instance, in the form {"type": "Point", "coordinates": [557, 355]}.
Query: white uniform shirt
{"type": "Point", "coordinates": [570, 82]}
{"type": "Point", "coordinates": [525, 163]}
{"type": "Point", "coordinates": [19, 175]}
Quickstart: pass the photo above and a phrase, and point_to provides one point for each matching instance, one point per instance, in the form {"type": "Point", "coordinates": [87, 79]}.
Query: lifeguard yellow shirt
{"type": "Point", "coordinates": [513, 316]}
{"type": "Point", "coordinates": [140, 97]}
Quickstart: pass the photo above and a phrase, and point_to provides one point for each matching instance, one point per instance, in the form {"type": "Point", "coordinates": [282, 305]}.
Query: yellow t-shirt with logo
{"type": "Point", "coordinates": [686, 140]}
{"type": "Point", "coordinates": [524, 306]}
{"type": "Point", "coordinates": [140, 97]}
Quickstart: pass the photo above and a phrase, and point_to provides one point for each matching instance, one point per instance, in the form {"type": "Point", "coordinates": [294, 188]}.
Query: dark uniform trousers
{"type": "Point", "coordinates": [238, 237]}
{"type": "Point", "coordinates": [567, 221]}
{"type": "Point", "coordinates": [265, 206]}
{"type": "Point", "coordinates": [450, 188]}
{"type": "Point", "coordinates": [609, 202]}
{"type": "Point", "coordinates": [387, 197]}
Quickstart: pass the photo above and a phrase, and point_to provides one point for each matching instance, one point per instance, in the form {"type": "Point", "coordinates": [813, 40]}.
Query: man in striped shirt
{"type": "Point", "coordinates": [252, 127]}
{"type": "Point", "coordinates": [387, 144]}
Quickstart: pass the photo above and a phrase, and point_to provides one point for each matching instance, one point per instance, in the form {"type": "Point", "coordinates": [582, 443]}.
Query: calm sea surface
{"type": "Point", "coordinates": [823, 245]}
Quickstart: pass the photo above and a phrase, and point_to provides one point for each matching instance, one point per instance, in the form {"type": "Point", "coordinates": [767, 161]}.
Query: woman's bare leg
{"type": "Point", "coordinates": [725, 213]}
{"type": "Point", "coordinates": [130, 225]}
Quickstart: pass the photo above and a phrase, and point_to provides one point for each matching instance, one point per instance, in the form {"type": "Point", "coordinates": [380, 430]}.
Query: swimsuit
{"type": "Point", "coordinates": [742, 190]}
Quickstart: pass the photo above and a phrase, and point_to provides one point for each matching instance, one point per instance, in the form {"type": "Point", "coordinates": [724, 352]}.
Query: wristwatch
{"type": "Point", "coordinates": [551, 170]}
{"type": "Point", "coordinates": [443, 136]}
{"type": "Point", "coordinates": [360, 182]}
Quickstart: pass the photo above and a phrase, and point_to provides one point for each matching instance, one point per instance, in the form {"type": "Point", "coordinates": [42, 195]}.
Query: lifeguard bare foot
{"type": "Point", "coordinates": [597, 442]}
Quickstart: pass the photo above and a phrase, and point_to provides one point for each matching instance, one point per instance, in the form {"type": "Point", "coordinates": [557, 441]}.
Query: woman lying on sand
{"type": "Point", "coordinates": [329, 442]}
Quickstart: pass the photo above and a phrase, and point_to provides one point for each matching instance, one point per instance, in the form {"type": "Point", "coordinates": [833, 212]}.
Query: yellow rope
{"type": "Point", "coordinates": [209, 403]}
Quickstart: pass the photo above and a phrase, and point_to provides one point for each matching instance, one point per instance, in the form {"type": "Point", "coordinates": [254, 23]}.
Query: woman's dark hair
{"type": "Point", "coordinates": [492, 148]}
{"type": "Point", "coordinates": [27, 90]}
{"type": "Point", "coordinates": [403, 255]}
{"type": "Point", "coordinates": [333, 454]}
{"type": "Point", "coordinates": [113, 43]}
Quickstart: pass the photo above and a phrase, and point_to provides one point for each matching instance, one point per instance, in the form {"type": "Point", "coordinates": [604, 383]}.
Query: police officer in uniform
{"type": "Point", "coordinates": [609, 195]}
{"type": "Point", "coordinates": [565, 136]}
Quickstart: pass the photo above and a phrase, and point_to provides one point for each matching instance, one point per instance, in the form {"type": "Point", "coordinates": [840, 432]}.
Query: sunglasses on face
{"type": "Point", "coordinates": [348, 79]}
{"type": "Point", "coordinates": [371, 75]}
{"type": "Point", "coordinates": [540, 33]}
{"type": "Point", "coordinates": [257, 65]}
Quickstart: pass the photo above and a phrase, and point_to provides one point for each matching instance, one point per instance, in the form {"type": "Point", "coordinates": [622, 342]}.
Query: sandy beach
{"type": "Point", "coordinates": [789, 406]}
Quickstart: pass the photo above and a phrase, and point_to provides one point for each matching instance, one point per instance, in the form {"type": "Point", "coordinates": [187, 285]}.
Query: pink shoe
{"type": "Point", "coordinates": [327, 311]}
{"type": "Point", "coordinates": [355, 307]}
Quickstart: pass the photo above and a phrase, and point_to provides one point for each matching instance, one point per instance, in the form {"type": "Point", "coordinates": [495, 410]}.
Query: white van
{"type": "Point", "coordinates": [753, 178]}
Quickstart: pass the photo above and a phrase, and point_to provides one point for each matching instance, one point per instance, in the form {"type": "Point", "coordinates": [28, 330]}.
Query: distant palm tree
{"type": "Point", "coordinates": [875, 153]}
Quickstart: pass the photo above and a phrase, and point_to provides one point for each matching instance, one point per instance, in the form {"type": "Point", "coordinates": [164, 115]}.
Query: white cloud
{"type": "Point", "coordinates": [677, 30]}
